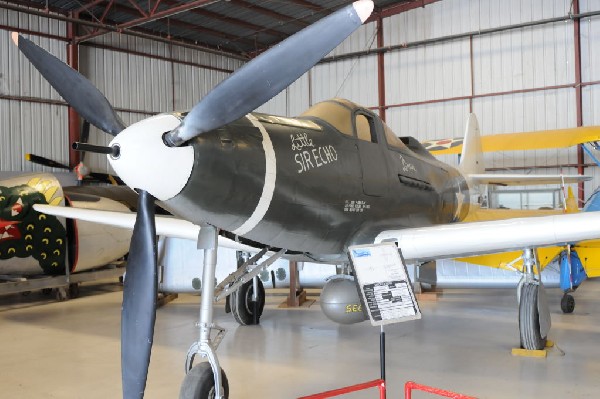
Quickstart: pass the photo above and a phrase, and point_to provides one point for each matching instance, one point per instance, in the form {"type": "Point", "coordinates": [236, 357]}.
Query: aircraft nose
{"type": "Point", "coordinates": [145, 162]}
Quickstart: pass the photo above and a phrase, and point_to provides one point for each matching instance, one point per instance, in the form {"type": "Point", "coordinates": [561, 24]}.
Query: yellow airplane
{"type": "Point", "coordinates": [577, 261]}
{"type": "Point", "coordinates": [561, 138]}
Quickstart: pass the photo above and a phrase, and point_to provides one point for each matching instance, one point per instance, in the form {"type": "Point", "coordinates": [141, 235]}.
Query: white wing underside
{"type": "Point", "coordinates": [476, 238]}
{"type": "Point", "coordinates": [425, 243]}
{"type": "Point", "coordinates": [167, 226]}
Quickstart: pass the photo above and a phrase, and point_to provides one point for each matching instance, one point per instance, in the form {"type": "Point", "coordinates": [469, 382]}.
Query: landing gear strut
{"type": "Point", "coordinates": [206, 380]}
{"type": "Point", "coordinates": [534, 314]}
{"type": "Point", "coordinates": [572, 274]}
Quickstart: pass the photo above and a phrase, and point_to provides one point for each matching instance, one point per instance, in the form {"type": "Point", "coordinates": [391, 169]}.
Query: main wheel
{"type": "Point", "coordinates": [529, 319]}
{"type": "Point", "coordinates": [567, 303]}
{"type": "Point", "coordinates": [74, 290]}
{"type": "Point", "coordinates": [199, 383]}
{"type": "Point", "coordinates": [242, 306]}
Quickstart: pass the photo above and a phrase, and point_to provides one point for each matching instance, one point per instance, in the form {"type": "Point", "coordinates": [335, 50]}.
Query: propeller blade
{"type": "Point", "coordinates": [79, 92]}
{"type": "Point", "coordinates": [268, 74]}
{"type": "Point", "coordinates": [139, 301]}
{"type": "Point", "coordinates": [85, 136]}
{"type": "Point", "coordinates": [45, 162]}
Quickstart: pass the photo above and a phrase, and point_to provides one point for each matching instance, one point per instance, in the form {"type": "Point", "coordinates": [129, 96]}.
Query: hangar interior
{"type": "Point", "coordinates": [422, 66]}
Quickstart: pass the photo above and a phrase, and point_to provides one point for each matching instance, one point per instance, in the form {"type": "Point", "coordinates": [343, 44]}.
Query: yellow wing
{"type": "Point", "coordinates": [589, 254]}
{"type": "Point", "coordinates": [512, 260]}
{"type": "Point", "coordinates": [558, 138]}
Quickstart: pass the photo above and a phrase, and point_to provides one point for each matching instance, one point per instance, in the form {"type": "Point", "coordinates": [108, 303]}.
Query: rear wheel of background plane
{"type": "Point", "coordinates": [567, 303]}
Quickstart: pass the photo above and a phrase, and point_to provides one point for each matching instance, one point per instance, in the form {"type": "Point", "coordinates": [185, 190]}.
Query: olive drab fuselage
{"type": "Point", "coordinates": [329, 190]}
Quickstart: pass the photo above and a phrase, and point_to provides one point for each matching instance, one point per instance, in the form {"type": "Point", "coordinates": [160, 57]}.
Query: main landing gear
{"type": "Point", "coordinates": [534, 313]}
{"type": "Point", "coordinates": [207, 380]}
{"type": "Point", "coordinates": [245, 291]}
{"type": "Point", "coordinates": [572, 274]}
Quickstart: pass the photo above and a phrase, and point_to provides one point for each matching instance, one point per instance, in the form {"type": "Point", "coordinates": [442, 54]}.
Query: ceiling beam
{"type": "Point", "coordinates": [89, 5]}
{"type": "Point", "coordinates": [174, 22]}
{"type": "Point", "coordinates": [307, 4]}
{"type": "Point", "coordinates": [269, 13]}
{"type": "Point", "coordinates": [399, 8]}
{"type": "Point", "coordinates": [234, 21]}
{"type": "Point", "coordinates": [136, 33]}
{"type": "Point", "coordinates": [143, 19]}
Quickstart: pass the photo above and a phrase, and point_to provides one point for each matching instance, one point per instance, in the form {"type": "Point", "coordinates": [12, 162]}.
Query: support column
{"type": "Point", "coordinates": [380, 69]}
{"type": "Point", "coordinates": [578, 97]}
{"type": "Point", "coordinates": [73, 117]}
{"type": "Point", "coordinates": [297, 295]}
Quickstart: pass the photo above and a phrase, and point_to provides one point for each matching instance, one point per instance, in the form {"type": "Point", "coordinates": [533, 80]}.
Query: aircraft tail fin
{"type": "Point", "coordinates": [571, 202]}
{"type": "Point", "coordinates": [471, 161]}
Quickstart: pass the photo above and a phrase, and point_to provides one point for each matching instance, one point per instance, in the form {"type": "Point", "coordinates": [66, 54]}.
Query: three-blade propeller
{"type": "Point", "coordinates": [250, 87]}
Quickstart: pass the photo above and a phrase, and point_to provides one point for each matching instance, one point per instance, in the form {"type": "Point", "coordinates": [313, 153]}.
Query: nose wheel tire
{"type": "Point", "coordinates": [567, 303]}
{"type": "Point", "coordinates": [529, 319]}
{"type": "Point", "coordinates": [199, 383]}
{"type": "Point", "coordinates": [242, 306]}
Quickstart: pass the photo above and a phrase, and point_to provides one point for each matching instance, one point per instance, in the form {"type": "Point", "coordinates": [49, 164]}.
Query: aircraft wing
{"type": "Point", "coordinates": [477, 238]}
{"type": "Point", "coordinates": [524, 180]}
{"type": "Point", "coordinates": [168, 226]}
{"type": "Point", "coordinates": [544, 139]}
{"type": "Point", "coordinates": [451, 240]}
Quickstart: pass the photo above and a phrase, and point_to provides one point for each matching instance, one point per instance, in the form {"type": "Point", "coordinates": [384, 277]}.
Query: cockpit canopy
{"type": "Point", "coordinates": [349, 118]}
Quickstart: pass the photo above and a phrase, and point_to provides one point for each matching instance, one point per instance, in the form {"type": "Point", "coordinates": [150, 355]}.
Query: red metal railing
{"type": "Point", "coordinates": [410, 386]}
{"type": "Point", "coordinates": [354, 388]}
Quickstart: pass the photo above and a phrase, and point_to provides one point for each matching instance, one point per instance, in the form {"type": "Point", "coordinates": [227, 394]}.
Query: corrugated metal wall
{"type": "Point", "coordinates": [27, 126]}
{"type": "Point", "coordinates": [354, 79]}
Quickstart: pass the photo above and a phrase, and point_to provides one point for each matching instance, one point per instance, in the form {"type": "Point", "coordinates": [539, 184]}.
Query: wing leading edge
{"type": "Point", "coordinates": [451, 240]}
{"type": "Point", "coordinates": [477, 238]}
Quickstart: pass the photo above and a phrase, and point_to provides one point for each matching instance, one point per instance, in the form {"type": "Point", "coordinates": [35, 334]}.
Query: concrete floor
{"type": "Point", "coordinates": [71, 349]}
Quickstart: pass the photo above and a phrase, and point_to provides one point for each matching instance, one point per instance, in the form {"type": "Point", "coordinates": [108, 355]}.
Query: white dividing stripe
{"type": "Point", "coordinates": [268, 188]}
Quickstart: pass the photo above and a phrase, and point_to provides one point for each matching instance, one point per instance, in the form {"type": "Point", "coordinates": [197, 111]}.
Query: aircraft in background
{"type": "Point", "coordinates": [536, 140]}
{"type": "Point", "coordinates": [33, 243]}
{"type": "Point", "coordinates": [577, 261]}
{"type": "Point", "coordinates": [306, 187]}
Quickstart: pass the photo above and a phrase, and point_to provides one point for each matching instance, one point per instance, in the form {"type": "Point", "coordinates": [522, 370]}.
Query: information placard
{"type": "Point", "coordinates": [384, 283]}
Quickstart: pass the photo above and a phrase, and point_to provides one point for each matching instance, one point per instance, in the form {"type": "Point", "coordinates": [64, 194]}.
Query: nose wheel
{"type": "Point", "coordinates": [199, 383]}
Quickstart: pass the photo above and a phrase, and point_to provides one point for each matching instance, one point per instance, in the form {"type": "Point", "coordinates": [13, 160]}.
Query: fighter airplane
{"type": "Point", "coordinates": [307, 187]}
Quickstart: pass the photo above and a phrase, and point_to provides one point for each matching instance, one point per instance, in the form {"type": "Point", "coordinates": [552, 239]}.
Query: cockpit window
{"type": "Point", "coordinates": [392, 140]}
{"type": "Point", "coordinates": [365, 129]}
{"type": "Point", "coordinates": [333, 113]}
